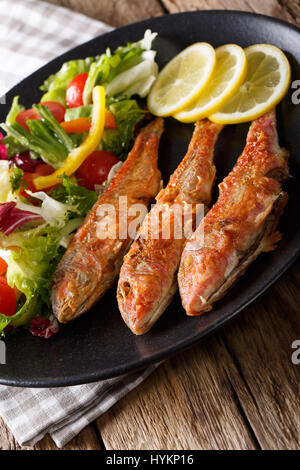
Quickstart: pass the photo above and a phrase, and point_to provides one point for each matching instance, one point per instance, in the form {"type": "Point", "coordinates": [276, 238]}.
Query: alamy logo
{"type": "Point", "coordinates": [164, 221]}
{"type": "Point", "coordinates": [3, 89]}
{"type": "Point", "coordinates": [296, 94]}
{"type": "Point", "coordinates": [2, 352]}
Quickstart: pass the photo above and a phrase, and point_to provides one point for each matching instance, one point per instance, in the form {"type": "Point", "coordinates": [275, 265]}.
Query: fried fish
{"type": "Point", "coordinates": [241, 224]}
{"type": "Point", "coordinates": [147, 279]}
{"type": "Point", "coordinates": [92, 261]}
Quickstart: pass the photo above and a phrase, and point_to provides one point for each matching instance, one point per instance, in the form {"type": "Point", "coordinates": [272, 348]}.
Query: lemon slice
{"type": "Point", "coordinates": [267, 81]}
{"type": "Point", "coordinates": [182, 79]}
{"type": "Point", "coordinates": [229, 73]}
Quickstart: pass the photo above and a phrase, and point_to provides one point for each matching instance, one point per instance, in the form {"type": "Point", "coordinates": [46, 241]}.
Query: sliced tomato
{"type": "Point", "coordinates": [3, 267]}
{"type": "Point", "coordinates": [74, 94]}
{"type": "Point", "coordinates": [27, 183]}
{"type": "Point", "coordinates": [8, 298]}
{"type": "Point", "coordinates": [24, 116]}
{"type": "Point", "coordinates": [56, 109]}
{"type": "Point", "coordinates": [42, 169]}
{"type": "Point", "coordinates": [95, 168]}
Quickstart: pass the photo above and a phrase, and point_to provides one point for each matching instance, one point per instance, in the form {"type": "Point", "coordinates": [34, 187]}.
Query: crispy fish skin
{"type": "Point", "coordinates": [147, 279]}
{"type": "Point", "coordinates": [91, 264]}
{"type": "Point", "coordinates": [241, 224]}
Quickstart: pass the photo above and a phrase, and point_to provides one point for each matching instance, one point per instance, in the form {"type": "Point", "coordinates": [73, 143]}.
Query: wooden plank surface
{"type": "Point", "coordinates": [266, 7]}
{"type": "Point", "coordinates": [236, 390]}
{"type": "Point", "coordinates": [259, 344]}
{"type": "Point", "coordinates": [189, 403]}
{"type": "Point", "coordinates": [115, 12]}
{"type": "Point", "coordinates": [86, 440]}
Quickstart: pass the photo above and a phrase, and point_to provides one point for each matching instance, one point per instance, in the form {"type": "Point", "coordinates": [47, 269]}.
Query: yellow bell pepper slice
{"type": "Point", "coordinates": [78, 155]}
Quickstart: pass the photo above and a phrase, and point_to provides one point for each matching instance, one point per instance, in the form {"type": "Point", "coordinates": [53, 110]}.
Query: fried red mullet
{"type": "Point", "coordinates": [241, 224]}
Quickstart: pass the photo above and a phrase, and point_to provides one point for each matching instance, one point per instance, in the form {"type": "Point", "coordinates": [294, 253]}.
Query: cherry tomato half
{"type": "Point", "coordinates": [24, 116]}
{"type": "Point", "coordinates": [74, 94]}
{"type": "Point", "coordinates": [8, 298]}
{"type": "Point", "coordinates": [96, 168]}
{"type": "Point", "coordinates": [43, 169]}
{"type": "Point", "coordinates": [56, 109]}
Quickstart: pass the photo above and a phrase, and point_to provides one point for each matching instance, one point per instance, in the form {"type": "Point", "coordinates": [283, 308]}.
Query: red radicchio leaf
{"type": "Point", "coordinates": [25, 162]}
{"type": "Point", "coordinates": [12, 218]}
{"type": "Point", "coordinates": [3, 152]}
{"type": "Point", "coordinates": [43, 327]}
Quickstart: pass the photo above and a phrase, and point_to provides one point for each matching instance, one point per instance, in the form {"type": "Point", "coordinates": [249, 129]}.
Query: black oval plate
{"type": "Point", "coordinates": [99, 345]}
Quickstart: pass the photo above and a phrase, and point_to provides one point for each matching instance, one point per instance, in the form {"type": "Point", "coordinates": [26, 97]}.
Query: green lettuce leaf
{"type": "Point", "coordinates": [127, 114]}
{"type": "Point", "coordinates": [118, 71]}
{"type": "Point", "coordinates": [14, 111]}
{"type": "Point", "coordinates": [13, 147]}
{"type": "Point", "coordinates": [46, 139]}
{"type": "Point", "coordinates": [78, 112]}
{"type": "Point", "coordinates": [71, 193]}
{"type": "Point", "coordinates": [30, 270]}
{"type": "Point", "coordinates": [15, 178]}
{"type": "Point", "coordinates": [32, 264]}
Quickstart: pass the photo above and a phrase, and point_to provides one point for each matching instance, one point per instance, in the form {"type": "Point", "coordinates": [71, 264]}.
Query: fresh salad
{"type": "Point", "coordinates": [55, 158]}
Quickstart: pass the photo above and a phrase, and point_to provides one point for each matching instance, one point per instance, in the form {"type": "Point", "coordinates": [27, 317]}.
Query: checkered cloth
{"type": "Point", "coordinates": [31, 33]}
{"type": "Point", "coordinates": [30, 413]}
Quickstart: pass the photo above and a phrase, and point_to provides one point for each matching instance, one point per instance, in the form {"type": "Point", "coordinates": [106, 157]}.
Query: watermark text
{"type": "Point", "coordinates": [2, 353]}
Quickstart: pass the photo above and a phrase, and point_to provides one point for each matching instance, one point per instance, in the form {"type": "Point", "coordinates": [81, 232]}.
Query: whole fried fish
{"type": "Point", "coordinates": [93, 259]}
{"type": "Point", "coordinates": [241, 224]}
{"type": "Point", "coordinates": [147, 279]}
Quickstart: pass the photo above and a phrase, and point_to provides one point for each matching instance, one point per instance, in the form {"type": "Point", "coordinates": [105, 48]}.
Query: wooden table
{"type": "Point", "coordinates": [239, 388]}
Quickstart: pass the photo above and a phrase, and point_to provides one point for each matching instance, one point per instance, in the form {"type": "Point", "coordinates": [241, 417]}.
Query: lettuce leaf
{"type": "Point", "coordinates": [78, 112]}
{"type": "Point", "coordinates": [118, 72]}
{"type": "Point", "coordinates": [127, 114]}
{"type": "Point", "coordinates": [46, 139]}
{"type": "Point", "coordinates": [32, 266]}
{"type": "Point", "coordinates": [15, 178]}
{"type": "Point", "coordinates": [37, 251]}
{"type": "Point", "coordinates": [30, 269]}
{"type": "Point", "coordinates": [72, 194]}
{"type": "Point", "coordinates": [105, 69]}
{"type": "Point", "coordinates": [55, 213]}
{"type": "Point", "coordinates": [12, 145]}
{"type": "Point", "coordinates": [14, 111]}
